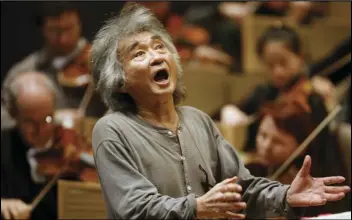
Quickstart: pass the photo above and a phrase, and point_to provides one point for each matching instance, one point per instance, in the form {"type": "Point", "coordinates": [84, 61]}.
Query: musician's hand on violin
{"type": "Point", "coordinates": [233, 116]}
{"type": "Point", "coordinates": [308, 191]}
{"type": "Point", "coordinates": [221, 201]}
{"type": "Point", "coordinates": [15, 209]}
{"type": "Point", "coordinates": [323, 87]}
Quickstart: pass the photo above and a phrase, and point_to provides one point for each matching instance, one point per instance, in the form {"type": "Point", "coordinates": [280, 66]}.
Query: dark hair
{"type": "Point", "coordinates": [53, 9]}
{"type": "Point", "coordinates": [283, 33]}
{"type": "Point", "coordinates": [289, 116]}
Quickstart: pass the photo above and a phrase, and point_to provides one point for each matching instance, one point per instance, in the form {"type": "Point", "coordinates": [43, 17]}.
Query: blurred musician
{"type": "Point", "coordinates": [31, 98]}
{"type": "Point", "coordinates": [197, 37]}
{"type": "Point", "coordinates": [64, 57]}
{"type": "Point", "coordinates": [283, 127]}
{"type": "Point", "coordinates": [280, 50]}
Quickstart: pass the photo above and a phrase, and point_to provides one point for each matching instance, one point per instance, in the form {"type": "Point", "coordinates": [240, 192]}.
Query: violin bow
{"type": "Point", "coordinates": [306, 142]}
{"type": "Point", "coordinates": [47, 188]}
{"type": "Point", "coordinates": [87, 97]}
{"type": "Point", "coordinates": [334, 66]}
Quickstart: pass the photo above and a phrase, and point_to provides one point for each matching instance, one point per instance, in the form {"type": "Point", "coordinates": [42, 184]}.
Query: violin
{"type": "Point", "coordinates": [76, 73]}
{"type": "Point", "coordinates": [70, 155]}
{"type": "Point", "coordinates": [70, 152]}
{"type": "Point", "coordinates": [299, 93]}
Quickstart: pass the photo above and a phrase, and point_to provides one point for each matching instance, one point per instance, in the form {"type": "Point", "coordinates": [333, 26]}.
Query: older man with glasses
{"type": "Point", "coordinates": [31, 100]}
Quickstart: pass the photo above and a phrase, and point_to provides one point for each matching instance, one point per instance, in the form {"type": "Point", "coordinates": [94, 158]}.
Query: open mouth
{"type": "Point", "coordinates": [161, 76]}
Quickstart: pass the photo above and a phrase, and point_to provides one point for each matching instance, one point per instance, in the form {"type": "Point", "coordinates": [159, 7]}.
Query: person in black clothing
{"type": "Point", "coordinates": [32, 104]}
{"type": "Point", "coordinates": [280, 50]}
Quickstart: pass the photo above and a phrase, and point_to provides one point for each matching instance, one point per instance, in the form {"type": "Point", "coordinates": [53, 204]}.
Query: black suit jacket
{"type": "Point", "coordinates": [16, 181]}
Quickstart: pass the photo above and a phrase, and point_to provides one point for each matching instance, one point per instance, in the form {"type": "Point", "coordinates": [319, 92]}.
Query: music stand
{"type": "Point", "coordinates": [80, 200]}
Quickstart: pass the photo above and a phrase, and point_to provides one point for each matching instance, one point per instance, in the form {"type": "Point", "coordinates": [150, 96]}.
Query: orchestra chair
{"type": "Point", "coordinates": [315, 47]}
{"type": "Point", "coordinates": [206, 86]}
{"type": "Point", "coordinates": [235, 135]}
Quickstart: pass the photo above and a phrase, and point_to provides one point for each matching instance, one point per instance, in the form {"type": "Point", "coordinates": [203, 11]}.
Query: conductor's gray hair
{"type": "Point", "coordinates": [11, 89]}
{"type": "Point", "coordinates": [106, 63]}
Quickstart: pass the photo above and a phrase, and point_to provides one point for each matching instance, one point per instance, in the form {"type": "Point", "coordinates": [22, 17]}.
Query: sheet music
{"type": "Point", "coordinates": [343, 215]}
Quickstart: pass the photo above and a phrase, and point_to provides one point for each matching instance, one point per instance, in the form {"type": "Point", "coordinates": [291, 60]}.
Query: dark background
{"type": "Point", "coordinates": [20, 36]}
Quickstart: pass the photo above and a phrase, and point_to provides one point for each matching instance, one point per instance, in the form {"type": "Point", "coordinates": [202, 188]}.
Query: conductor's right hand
{"type": "Point", "coordinates": [222, 201]}
{"type": "Point", "coordinates": [15, 209]}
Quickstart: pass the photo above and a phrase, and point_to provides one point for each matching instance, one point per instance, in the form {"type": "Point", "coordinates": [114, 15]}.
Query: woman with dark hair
{"type": "Point", "coordinates": [280, 49]}
{"type": "Point", "coordinates": [283, 127]}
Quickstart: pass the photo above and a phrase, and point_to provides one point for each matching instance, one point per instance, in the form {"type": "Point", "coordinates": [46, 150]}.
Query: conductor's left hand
{"type": "Point", "coordinates": [307, 191]}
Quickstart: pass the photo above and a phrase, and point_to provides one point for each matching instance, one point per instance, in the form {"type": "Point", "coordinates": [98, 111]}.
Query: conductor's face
{"type": "Point", "coordinates": [149, 66]}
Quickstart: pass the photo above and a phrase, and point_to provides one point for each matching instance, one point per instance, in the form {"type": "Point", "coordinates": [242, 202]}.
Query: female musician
{"type": "Point", "coordinates": [280, 50]}
{"type": "Point", "coordinates": [283, 127]}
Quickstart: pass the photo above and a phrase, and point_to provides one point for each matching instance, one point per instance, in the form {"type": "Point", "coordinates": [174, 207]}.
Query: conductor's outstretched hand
{"type": "Point", "coordinates": [307, 191]}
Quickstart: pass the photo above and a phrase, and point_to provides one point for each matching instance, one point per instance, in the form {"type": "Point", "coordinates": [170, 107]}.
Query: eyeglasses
{"type": "Point", "coordinates": [205, 184]}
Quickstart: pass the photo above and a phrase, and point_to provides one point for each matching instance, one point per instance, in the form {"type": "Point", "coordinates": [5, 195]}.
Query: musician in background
{"type": "Point", "coordinates": [280, 49]}
{"type": "Point", "coordinates": [32, 102]}
{"type": "Point", "coordinates": [283, 127]}
{"type": "Point", "coordinates": [32, 106]}
{"type": "Point", "coordinates": [64, 51]}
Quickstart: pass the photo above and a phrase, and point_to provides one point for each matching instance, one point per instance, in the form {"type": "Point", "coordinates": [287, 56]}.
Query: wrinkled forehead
{"type": "Point", "coordinates": [141, 37]}
{"type": "Point", "coordinates": [129, 42]}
